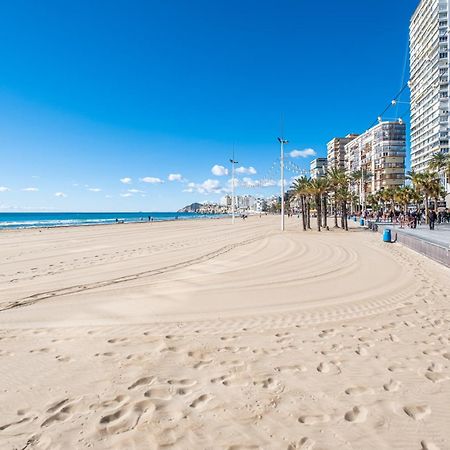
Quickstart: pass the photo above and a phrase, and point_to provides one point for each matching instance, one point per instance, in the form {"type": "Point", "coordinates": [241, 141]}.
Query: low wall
{"type": "Point", "coordinates": [438, 253]}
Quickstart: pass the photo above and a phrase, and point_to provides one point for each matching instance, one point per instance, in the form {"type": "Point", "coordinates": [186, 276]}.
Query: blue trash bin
{"type": "Point", "coordinates": [387, 235]}
{"type": "Point", "coordinates": [361, 222]}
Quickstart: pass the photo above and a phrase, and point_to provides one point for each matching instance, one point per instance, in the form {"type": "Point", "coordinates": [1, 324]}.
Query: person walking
{"type": "Point", "coordinates": [432, 216]}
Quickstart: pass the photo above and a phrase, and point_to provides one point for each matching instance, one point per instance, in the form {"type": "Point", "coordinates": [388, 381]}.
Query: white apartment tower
{"type": "Point", "coordinates": [379, 152]}
{"type": "Point", "coordinates": [429, 65]}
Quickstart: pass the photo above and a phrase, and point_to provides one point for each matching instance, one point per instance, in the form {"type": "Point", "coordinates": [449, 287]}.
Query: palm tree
{"type": "Point", "coordinates": [425, 183]}
{"type": "Point", "coordinates": [344, 196]}
{"type": "Point", "coordinates": [300, 189]}
{"type": "Point", "coordinates": [438, 162]}
{"type": "Point", "coordinates": [318, 187]}
{"type": "Point", "coordinates": [337, 179]}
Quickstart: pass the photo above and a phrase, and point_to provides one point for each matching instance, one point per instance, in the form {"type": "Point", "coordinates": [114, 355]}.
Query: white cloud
{"type": "Point", "coordinates": [60, 194]}
{"type": "Point", "coordinates": [152, 180]}
{"type": "Point", "coordinates": [127, 194]}
{"type": "Point", "coordinates": [136, 191]}
{"type": "Point", "coordinates": [247, 182]}
{"type": "Point", "coordinates": [126, 180]}
{"type": "Point", "coordinates": [4, 189]}
{"type": "Point", "coordinates": [302, 153]}
{"type": "Point", "coordinates": [207, 187]}
{"type": "Point", "coordinates": [175, 177]}
{"type": "Point", "coordinates": [219, 171]}
{"type": "Point", "coordinates": [30, 189]}
{"type": "Point", "coordinates": [246, 170]}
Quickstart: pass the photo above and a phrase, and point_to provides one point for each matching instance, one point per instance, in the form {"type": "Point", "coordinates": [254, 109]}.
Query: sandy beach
{"type": "Point", "coordinates": [201, 335]}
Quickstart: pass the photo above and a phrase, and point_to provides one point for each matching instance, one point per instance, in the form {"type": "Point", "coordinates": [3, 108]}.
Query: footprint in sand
{"type": "Point", "coordinates": [314, 419]}
{"type": "Point", "coordinates": [13, 424]}
{"type": "Point", "coordinates": [327, 333]}
{"type": "Point", "coordinates": [117, 340]}
{"type": "Point", "coordinates": [323, 367]}
{"type": "Point", "coordinates": [357, 414]}
{"type": "Point", "coordinates": [358, 390]}
{"type": "Point", "coordinates": [417, 412]}
{"type": "Point", "coordinates": [61, 358]}
{"type": "Point", "coordinates": [110, 403]}
{"type": "Point", "coordinates": [158, 393]}
{"type": "Point", "coordinates": [429, 446]}
{"type": "Point", "coordinates": [141, 382]}
{"type": "Point", "coordinates": [266, 383]}
{"type": "Point", "coordinates": [62, 411]}
{"type": "Point", "coordinates": [125, 418]}
{"type": "Point", "coordinates": [106, 354]}
{"type": "Point", "coordinates": [201, 401]}
{"type": "Point", "coordinates": [303, 444]}
{"type": "Point", "coordinates": [182, 382]}
{"type": "Point", "coordinates": [392, 386]}
{"type": "Point", "coordinates": [294, 368]}
{"type": "Point", "coordinates": [201, 364]}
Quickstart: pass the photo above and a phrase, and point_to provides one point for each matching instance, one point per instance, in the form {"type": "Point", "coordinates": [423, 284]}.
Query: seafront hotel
{"type": "Point", "coordinates": [429, 84]}
{"type": "Point", "coordinates": [380, 152]}
{"type": "Point", "coordinates": [336, 151]}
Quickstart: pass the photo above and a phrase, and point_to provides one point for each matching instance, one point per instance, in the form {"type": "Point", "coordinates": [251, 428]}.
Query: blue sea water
{"type": "Point", "coordinates": [46, 219]}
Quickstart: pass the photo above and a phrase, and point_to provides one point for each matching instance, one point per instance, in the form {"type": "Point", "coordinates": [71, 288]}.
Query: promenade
{"type": "Point", "coordinates": [434, 244]}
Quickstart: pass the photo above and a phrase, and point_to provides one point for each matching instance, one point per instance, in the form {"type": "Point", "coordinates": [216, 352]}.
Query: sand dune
{"type": "Point", "coordinates": [203, 336]}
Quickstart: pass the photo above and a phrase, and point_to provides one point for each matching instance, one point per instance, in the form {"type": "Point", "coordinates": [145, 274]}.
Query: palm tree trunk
{"type": "Point", "coordinates": [319, 211]}
{"type": "Point", "coordinates": [308, 209]}
{"type": "Point", "coordinates": [426, 209]}
{"type": "Point", "coordinates": [344, 215]}
{"type": "Point", "coordinates": [324, 209]}
{"type": "Point", "coordinates": [303, 203]}
{"type": "Point", "coordinates": [335, 212]}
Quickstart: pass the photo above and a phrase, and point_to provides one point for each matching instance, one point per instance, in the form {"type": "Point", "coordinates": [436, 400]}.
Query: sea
{"type": "Point", "coordinates": [51, 219]}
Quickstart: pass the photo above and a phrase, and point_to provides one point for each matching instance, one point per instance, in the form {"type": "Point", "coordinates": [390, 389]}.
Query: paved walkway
{"type": "Point", "coordinates": [439, 236]}
{"type": "Point", "coordinates": [432, 243]}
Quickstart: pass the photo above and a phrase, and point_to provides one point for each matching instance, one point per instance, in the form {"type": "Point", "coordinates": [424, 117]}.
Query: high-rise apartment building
{"type": "Point", "coordinates": [336, 151]}
{"type": "Point", "coordinates": [380, 153]}
{"type": "Point", "coordinates": [429, 65]}
{"type": "Point", "coordinates": [318, 168]}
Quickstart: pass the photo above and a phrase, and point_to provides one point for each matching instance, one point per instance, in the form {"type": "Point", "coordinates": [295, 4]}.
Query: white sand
{"type": "Point", "coordinates": [200, 335]}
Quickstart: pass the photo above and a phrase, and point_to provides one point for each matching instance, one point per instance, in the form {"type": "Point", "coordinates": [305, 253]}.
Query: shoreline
{"type": "Point", "coordinates": [43, 227]}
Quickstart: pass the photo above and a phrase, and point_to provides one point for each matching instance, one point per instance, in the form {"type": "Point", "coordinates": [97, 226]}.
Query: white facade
{"type": "Point", "coordinates": [318, 168]}
{"type": "Point", "coordinates": [336, 151]}
{"type": "Point", "coordinates": [429, 65]}
{"type": "Point", "coordinates": [379, 152]}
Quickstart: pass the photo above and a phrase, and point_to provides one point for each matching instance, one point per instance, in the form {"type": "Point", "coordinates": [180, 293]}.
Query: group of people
{"type": "Point", "coordinates": [410, 218]}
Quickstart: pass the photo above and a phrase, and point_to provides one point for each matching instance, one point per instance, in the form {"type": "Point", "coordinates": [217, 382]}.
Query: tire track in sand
{"type": "Point", "coordinates": [35, 298]}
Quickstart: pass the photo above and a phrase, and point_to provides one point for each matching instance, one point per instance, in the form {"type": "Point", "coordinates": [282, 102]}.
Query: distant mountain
{"type": "Point", "coordinates": [192, 208]}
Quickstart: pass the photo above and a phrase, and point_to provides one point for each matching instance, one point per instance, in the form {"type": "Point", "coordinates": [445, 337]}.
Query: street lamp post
{"type": "Point", "coordinates": [282, 142]}
{"type": "Point", "coordinates": [233, 215]}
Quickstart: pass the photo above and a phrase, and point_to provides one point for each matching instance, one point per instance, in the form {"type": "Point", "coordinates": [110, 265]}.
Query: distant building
{"type": "Point", "coordinates": [318, 168]}
{"type": "Point", "coordinates": [380, 152]}
{"type": "Point", "coordinates": [336, 151]}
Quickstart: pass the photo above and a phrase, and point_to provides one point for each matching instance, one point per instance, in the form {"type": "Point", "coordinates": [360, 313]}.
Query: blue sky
{"type": "Point", "coordinates": [92, 93]}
